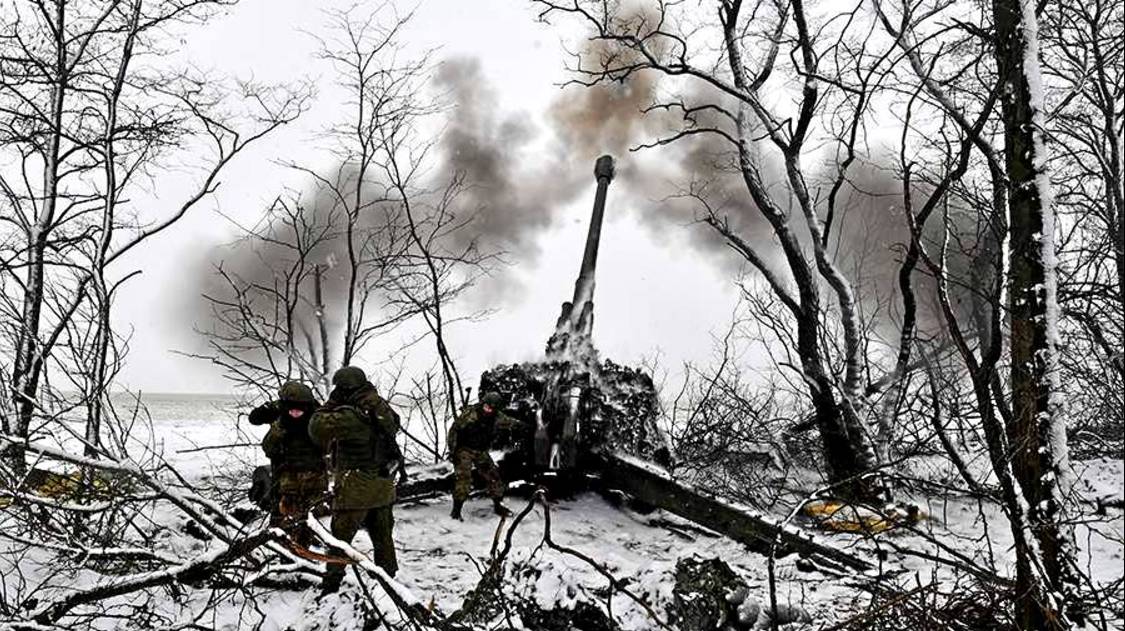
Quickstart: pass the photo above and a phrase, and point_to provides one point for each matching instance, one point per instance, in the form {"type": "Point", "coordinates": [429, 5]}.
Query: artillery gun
{"type": "Point", "coordinates": [579, 405]}
{"type": "Point", "coordinates": [596, 423]}
{"type": "Point", "coordinates": [595, 427]}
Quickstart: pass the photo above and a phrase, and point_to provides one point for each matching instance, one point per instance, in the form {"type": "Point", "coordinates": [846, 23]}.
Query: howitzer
{"type": "Point", "coordinates": [595, 423]}
{"type": "Point", "coordinates": [571, 349]}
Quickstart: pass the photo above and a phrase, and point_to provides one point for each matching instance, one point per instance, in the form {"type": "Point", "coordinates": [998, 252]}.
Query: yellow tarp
{"type": "Point", "coordinates": [49, 484]}
{"type": "Point", "coordinates": [840, 516]}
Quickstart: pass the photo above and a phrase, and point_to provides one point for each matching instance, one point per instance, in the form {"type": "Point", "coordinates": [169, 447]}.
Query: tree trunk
{"type": "Point", "coordinates": [322, 327]}
{"type": "Point", "coordinates": [28, 364]}
{"type": "Point", "coordinates": [845, 447]}
{"type": "Point", "coordinates": [1036, 432]}
{"type": "Point", "coordinates": [100, 370]}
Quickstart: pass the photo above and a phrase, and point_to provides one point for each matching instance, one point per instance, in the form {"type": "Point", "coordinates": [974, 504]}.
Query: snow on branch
{"type": "Point", "coordinates": [194, 570]}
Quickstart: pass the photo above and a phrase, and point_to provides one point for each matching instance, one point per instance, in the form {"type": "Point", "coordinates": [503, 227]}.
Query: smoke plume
{"type": "Point", "coordinates": [519, 175]}
{"type": "Point", "coordinates": [509, 196]}
{"type": "Point", "coordinates": [516, 188]}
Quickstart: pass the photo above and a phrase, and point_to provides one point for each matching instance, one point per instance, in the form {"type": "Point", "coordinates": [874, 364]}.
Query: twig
{"type": "Point", "coordinates": [208, 447]}
{"type": "Point", "coordinates": [613, 581]}
{"type": "Point", "coordinates": [882, 607]}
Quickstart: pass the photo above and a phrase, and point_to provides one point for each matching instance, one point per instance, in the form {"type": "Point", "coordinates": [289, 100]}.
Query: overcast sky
{"type": "Point", "coordinates": [654, 295]}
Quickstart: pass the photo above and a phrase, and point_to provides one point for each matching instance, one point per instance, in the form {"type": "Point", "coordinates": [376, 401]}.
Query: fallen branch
{"type": "Point", "coordinates": [407, 604]}
{"type": "Point", "coordinates": [132, 554]}
{"type": "Point", "coordinates": [202, 566]}
{"type": "Point", "coordinates": [185, 501]}
{"type": "Point", "coordinates": [490, 577]}
{"type": "Point", "coordinates": [889, 604]}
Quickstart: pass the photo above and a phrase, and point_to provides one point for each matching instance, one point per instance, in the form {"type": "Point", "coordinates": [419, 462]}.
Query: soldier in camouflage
{"type": "Point", "coordinates": [357, 428]}
{"type": "Point", "coordinates": [299, 478]}
{"type": "Point", "coordinates": [469, 440]}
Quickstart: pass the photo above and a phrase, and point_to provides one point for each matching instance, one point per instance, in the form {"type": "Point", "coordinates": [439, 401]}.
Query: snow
{"type": "Point", "coordinates": [1100, 480]}
{"type": "Point", "coordinates": [1056, 419]}
{"type": "Point", "coordinates": [437, 554]}
{"type": "Point", "coordinates": [645, 465]}
{"type": "Point", "coordinates": [441, 559]}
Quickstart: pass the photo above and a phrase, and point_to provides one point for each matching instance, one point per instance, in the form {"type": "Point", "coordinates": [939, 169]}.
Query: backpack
{"type": "Point", "coordinates": [333, 423]}
{"type": "Point", "coordinates": [262, 488]}
{"type": "Point", "coordinates": [385, 424]}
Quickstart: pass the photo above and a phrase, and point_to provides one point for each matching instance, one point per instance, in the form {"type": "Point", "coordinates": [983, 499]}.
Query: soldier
{"type": "Point", "coordinates": [297, 466]}
{"type": "Point", "coordinates": [469, 440]}
{"type": "Point", "coordinates": [357, 428]}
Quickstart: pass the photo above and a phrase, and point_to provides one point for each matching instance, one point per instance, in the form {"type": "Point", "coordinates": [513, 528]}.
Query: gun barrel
{"type": "Point", "coordinates": [584, 288]}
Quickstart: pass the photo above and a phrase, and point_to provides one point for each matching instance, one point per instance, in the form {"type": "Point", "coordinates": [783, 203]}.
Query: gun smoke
{"type": "Point", "coordinates": [519, 176]}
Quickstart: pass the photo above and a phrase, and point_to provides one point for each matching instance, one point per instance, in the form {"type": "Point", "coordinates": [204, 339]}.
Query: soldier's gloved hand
{"type": "Point", "coordinates": [402, 475]}
{"type": "Point", "coordinates": [263, 414]}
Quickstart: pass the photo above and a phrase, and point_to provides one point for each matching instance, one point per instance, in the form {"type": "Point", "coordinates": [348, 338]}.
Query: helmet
{"type": "Point", "coordinates": [492, 399]}
{"type": "Point", "coordinates": [296, 392]}
{"type": "Point", "coordinates": [349, 378]}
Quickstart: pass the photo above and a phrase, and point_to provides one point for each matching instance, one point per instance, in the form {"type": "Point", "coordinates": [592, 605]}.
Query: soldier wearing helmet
{"type": "Point", "coordinates": [351, 387]}
{"type": "Point", "coordinates": [297, 465]}
{"type": "Point", "coordinates": [469, 440]}
{"type": "Point", "coordinates": [356, 428]}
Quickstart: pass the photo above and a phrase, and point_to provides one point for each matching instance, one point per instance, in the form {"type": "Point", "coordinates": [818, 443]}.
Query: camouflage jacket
{"type": "Point", "coordinates": [359, 470]}
{"type": "Point", "coordinates": [381, 417]}
{"type": "Point", "coordinates": [475, 430]}
{"type": "Point", "coordinates": [297, 463]}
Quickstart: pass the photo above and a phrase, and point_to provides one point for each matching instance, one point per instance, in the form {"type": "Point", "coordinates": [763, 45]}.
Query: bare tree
{"type": "Point", "coordinates": [87, 116]}
{"type": "Point", "coordinates": [763, 133]}
{"type": "Point", "coordinates": [382, 245]}
{"type": "Point", "coordinates": [272, 323]}
{"type": "Point", "coordinates": [1029, 449]}
{"type": "Point", "coordinates": [390, 146]}
{"type": "Point", "coordinates": [1038, 428]}
{"type": "Point", "coordinates": [1082, 65]}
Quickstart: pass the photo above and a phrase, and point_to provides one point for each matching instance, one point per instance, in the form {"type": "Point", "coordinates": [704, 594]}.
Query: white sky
{"type": "Point", "coordinates": [654, 294]}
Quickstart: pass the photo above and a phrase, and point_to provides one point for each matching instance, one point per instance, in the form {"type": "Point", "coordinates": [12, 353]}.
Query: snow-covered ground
{"type": "Point", "coordinates": [966, 524]}
{"type": "Point", "coordinates": [441, 560]}
{"type": "Point", "coordinates": [437, 553]}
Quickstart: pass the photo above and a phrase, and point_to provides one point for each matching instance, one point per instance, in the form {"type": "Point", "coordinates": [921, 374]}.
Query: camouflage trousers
{"type": "Point", "coordinates": [292, 515]}
{"type": "Point", "coordinates": [380, 523]}
{"type": "Point", "coordinates": [464, 460]}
